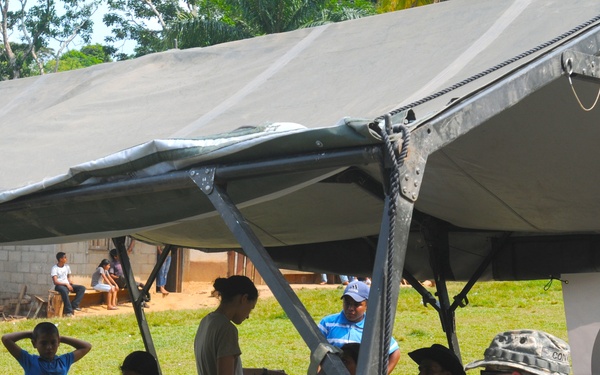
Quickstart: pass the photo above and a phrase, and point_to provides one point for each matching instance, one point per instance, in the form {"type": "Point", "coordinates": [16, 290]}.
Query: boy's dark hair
{"type": "Point", "coordinates": [44, 328]}
{"type": "Point", "coordinates": [60, 255]}
{"type": "Point", "coordinates": [140, 362]}
{"type": "Point", "coordinates": [113, 254]}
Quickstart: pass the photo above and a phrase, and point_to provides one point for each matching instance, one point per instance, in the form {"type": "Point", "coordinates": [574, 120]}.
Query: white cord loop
{"type": "Point", "coordinates": [579, 101]}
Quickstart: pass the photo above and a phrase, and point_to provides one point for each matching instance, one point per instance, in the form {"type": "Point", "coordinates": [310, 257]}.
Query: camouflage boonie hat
{"type": "Point", "coordinates": [536, 352]}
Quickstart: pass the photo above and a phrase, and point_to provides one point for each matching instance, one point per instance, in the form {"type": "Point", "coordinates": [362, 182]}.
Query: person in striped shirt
{"type": "Point", "coordinates": [347, 326]}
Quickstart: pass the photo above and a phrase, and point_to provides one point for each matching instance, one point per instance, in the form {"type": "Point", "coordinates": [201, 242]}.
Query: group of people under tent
{"type": "Point", "coordinates": [217, 350]}
{"type": "Point", "coordinates": [108, 278]}
{"type": "Point", "coordinates": [517, 352]}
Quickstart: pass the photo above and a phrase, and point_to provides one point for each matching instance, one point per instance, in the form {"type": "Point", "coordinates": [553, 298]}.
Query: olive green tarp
{"type": "Point", "coordinates": [527, 164]}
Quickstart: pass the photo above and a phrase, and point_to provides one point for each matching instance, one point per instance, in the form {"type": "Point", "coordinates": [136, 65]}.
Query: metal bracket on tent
{"type": "Point", "coordinates": [204, 178]}
{"type": "Point", "coordinates": [410, 180]}
{"type": "Point", "coordinates": [581, 65]}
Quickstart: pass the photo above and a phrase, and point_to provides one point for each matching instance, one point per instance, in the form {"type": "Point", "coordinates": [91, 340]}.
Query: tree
{"type": "Point", "coordinates": [393, 5]}
{"type": "Point", "coordinates": [74, 60]}
{"type": "Point", "coordinates": [239, 19]}
{"type": "Point", "coordinates": [191, 31]}
{"type": "Point", "coordinates": [87, 56]}
{"type": "Point", "coordinates": [33, 27]}
{"type": "Point", "coordinates": [141, 21]}
{"type": "Point", "coordinates": [338, 11]}
{"type": "Point", "coordinates": [100, 52]}
{"type": "Point", "coordinates": [17, 62]}
{"type": "Point", "coordinates": [275, 16]}
{"type": "Point", "coordinates": [74, 22]}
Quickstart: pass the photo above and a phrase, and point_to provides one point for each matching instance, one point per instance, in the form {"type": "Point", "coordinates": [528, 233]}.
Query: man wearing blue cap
{"type": "Point", "coordinates": [347, 326]}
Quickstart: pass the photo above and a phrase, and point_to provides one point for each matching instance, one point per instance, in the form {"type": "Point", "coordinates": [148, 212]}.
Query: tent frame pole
{"type": "Point", "coordinates": [461, 298]}
{"type": "Point", "coordinates": [136, 295]}
{"type": "Point", "coordinates": [369, 360]}
{"type": "Point", "coordinates": [447, 311]}
{"type": "Point", "coordinates": [395, 224]}
{"type": "Point", "coordinates": [435, 233]}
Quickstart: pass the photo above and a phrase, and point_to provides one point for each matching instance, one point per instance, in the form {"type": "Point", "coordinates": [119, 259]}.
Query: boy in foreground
{"type": "Point", "coordinates": [45, 339]}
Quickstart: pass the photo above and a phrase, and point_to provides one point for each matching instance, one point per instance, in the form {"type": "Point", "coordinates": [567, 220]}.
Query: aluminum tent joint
{"type": "Point", "coordinates": [581, 65]}
{"type": "Point", "coordinates": [204, 178]}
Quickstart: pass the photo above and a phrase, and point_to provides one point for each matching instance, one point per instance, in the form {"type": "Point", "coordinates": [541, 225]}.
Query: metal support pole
{"type": "Point", "coordinates": [428, 298]}
{"type": "Point", "coordinates": [436, 237]}
{"type": "Point", "coordinates": [447, 315]}
{"type": "Point", "coordinates": [372, 347]}
{"type": "Point", "coordinates": [291, 304]}
{"type": "Point", "coordinates": [136, 298]}
{"type": "Point", "coordinates": [391, 249]}
{"type": "Point", "coordinates": [461, 298]}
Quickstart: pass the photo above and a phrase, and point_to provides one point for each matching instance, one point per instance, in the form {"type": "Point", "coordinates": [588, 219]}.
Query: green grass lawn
{"type": "Point", "coordinates": [268, 339]}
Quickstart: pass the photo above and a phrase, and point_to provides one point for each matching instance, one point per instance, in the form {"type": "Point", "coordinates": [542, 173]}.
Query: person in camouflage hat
{"type": "Point", "coordinates": [525, 352]}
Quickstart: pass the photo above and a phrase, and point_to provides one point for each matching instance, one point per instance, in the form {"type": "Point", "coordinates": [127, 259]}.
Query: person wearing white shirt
{"type": "Point", "coordinates": [61, 278]}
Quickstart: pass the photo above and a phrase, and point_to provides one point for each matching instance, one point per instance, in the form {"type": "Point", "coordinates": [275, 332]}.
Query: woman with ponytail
{"type": "Point", "coordinates": [216, 345]}
{"type": "Point", "coordinates": [102, 282]}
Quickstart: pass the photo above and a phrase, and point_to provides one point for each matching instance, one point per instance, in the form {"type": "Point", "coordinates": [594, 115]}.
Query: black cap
{"type": "Point", "coordinates": [442, 355]}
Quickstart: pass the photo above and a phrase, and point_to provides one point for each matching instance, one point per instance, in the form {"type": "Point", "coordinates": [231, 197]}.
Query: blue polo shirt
{"type": "Point", "coordinates": [35, 365]}
{"type": "Point", "coordinates": [339, 331]}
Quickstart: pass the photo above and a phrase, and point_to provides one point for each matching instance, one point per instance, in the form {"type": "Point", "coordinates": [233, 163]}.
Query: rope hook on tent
{"type": "Point", "coordinates": [579, 100]}
{"type": "Point", "coordinates": [552, 278]}
{"type": "Point", "coordinates": [583, 66]}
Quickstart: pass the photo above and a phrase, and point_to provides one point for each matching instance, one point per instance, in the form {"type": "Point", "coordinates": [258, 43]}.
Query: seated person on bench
{"type": "Point", "coordinates": [102, 282]}
{"type": "Point", "coordinates": [116, 272]}
{"type": "Point", "coordinates": [61, 277]}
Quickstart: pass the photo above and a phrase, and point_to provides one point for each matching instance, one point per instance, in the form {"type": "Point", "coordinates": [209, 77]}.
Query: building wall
{"type": "Point", "coordinates": [205, 267]}
{"type": "Point", "coordinates": [25, 265]}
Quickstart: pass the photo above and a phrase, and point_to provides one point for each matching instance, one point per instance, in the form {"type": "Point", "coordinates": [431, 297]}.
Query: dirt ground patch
{"type": "Point", "coordinates": [195, 295]}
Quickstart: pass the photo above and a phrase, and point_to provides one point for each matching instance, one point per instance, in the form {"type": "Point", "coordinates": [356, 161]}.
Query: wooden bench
{"type": "Point", "coordinates": [91, 297]}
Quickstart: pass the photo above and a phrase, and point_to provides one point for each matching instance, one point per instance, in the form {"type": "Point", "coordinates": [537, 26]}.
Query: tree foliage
{"type": "Point", "coordinates": [22, 64]}
{"type": "Point", "coordinates": [142, 21]}
{"type": "Point", "coordinates": [27, 30]}
{"type": "Point", "coordinates": [87, 56]}
{"type": "Point", "coordinates": [238, 19]}
{"type": "Point", "coordinates": [393, 5]}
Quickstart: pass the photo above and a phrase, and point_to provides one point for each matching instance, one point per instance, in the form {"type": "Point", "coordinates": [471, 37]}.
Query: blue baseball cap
{"type": "Point", "coordinates": [357, 290]}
